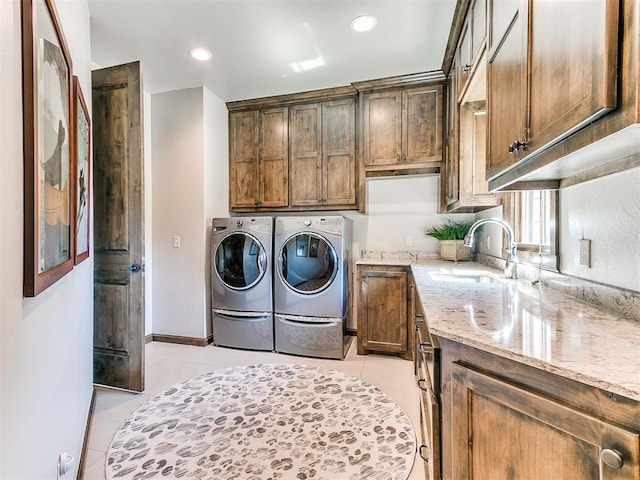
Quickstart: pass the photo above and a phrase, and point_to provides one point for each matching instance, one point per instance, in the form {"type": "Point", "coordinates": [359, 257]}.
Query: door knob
{"type": "Point", "coordinates": [134, 268]}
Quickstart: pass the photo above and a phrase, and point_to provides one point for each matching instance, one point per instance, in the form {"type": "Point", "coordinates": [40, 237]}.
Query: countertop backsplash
{"type": "Point", "coordinates": [625, 303]}
{"type": "Point", "coordinates": [616, 300]}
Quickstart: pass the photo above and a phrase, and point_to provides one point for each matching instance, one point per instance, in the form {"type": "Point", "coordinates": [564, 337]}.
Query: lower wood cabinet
{"type": "Point", "coordinates": [383, 310]}
{"type": "Point", "coordinates": [511, 421]}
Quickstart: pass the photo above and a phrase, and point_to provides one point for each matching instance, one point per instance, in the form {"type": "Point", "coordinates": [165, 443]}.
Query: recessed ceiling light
{"type": "Point", "coordinates": [363, 23]}
{"type": "Point", "coordinates": [201, 54]}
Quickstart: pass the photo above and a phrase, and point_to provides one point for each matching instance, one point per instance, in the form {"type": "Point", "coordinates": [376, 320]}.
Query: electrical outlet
{"type": "Point", "coordinates": [585, 253]}
{"type": "Point", "coordinates": [176, 242]}
{"type": "Point", "coordinates": [409, 241]}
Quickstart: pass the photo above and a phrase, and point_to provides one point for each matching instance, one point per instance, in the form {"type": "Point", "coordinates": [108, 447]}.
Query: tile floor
{"type": "Point", "coordinates": [167, 364]}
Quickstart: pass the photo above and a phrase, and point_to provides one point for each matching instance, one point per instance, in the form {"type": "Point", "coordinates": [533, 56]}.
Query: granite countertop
{"type": "Point", "coordinates": [528, 323]}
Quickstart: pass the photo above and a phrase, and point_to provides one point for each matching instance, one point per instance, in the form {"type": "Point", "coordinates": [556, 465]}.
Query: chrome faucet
{"type": "Point", "coordinates": [510, 267]}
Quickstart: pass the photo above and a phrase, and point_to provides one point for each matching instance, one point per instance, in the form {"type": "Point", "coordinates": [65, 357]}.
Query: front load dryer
{"type": "Point", "coordinates": [312, 265]}
{"type": "Point", "coordinates": [241, 282]}
{"type": "Point", "coordinates": [311, 285]}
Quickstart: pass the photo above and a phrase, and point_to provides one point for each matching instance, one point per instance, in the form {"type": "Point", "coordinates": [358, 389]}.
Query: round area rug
{"type": "Point", "coordinates": [266, 421]}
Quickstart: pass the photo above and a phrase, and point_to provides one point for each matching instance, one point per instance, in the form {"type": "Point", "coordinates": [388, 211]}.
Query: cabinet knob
{"type": "Point", "coordinates": [256, 203]}
{"type": "Point", "coordinates": [466, 68]}
{"type": "Point", "coordinates": [517, 145]}
{"type": "Point", "coordinates": [611, 458]}
{"type": "Point", "coordinates": [404, 157]}
{"type": "Point", "coordinates": [398, 158]}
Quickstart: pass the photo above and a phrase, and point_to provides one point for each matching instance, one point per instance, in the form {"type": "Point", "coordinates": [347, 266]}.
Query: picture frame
{"type": "Point", "coordinates": [47, 126]}
{"type": "Point", "coordinates": [302, 246]}
{"type": "Point", "coordinates": [81, 159]}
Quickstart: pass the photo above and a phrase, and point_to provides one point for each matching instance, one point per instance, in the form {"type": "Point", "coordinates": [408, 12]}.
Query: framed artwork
{"type": "Point", "coordinates": [47, 127]}
{"type": "Point", "coordinates": [302, 246]}
{"type": "Point", "coordinates": [81, 148]}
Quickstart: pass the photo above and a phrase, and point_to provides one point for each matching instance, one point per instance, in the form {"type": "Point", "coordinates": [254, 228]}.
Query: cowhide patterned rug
{"type": "Point", "coordinates": [266, 421]}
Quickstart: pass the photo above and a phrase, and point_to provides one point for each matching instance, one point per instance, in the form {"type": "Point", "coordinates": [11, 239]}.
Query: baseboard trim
{"type": "Point", "coordinates": [198, 342]}
{"type": "Point", "coordinates": [352, 332]}
{"type": "Point", "coordinates": [85, 439]}
{"type": "Point", "coordinates": [148, 338]}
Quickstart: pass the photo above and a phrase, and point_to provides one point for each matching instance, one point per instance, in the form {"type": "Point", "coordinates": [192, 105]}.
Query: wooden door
{"type": "Point", "coordinates": [382, 120]}
{"type": "Point", "coordinates": [243, 159]}
{"type": "Point", "coordinates": [506, 84]}
{"type": "Point", "coordinates": [573, 50]}
{"type": "Point", "coordinates": [305, 145]}
{"type": "Point", "coordinates": [118, 188]}
{"type": "Point", "coordinates": [384, 310]}
{"type": "Point", "coordinates": [274, 157]}
{"type": "Point", "coordinates": [501, 430]}
{"type": "Point", "coordinates": [422, 124]}
{"type": "Point", "coordinates": [338, 152]}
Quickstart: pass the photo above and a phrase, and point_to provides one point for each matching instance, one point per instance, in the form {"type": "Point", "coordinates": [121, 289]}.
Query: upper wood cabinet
{"type": "Point", "coordinates": [471, 43]}
{"type": "Point", "coordinates": [551, 71]}
{"type": "Point", "coordinates": [258, 158]}
{"type": "Point", "coordinates": [402, 128]}
{"type": "Point", "coordinates": [322, 154]}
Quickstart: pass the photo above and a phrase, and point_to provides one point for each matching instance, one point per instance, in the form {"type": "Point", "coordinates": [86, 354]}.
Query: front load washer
{"type": "Point", "coordinates": [311, 284]}
{"type": "Point", "coordinates": [241, 282]}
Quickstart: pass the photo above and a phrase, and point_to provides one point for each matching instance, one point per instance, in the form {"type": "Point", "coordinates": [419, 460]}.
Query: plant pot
{"type": "Point", "coordinates": [454, 250]}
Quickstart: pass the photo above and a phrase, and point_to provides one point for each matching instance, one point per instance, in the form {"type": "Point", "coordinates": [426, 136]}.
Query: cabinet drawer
{"type": "Point", "coordinates": [429, 449]}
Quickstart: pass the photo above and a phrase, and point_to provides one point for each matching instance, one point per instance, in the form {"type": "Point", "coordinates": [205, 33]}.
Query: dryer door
{"type": "Point", "coordinates": [240, 261]}
{"type": "Point", "coordinates": [307, 263]}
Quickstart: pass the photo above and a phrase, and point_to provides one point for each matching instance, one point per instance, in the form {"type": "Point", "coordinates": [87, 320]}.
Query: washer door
{"type": "Point", "coordinates": [307, 263]}
{"type": "Point", "coordinates": [240, 261]}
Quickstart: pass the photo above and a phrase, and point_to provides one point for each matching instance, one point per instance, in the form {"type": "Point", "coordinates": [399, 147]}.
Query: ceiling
{"type": "Point", "coordinates": [262, 47]}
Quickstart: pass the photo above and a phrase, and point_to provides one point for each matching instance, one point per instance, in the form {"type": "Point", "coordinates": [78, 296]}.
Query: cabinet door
{"type": "Point", "coordinates": [243, 159]}
{"type": "Point", "coordinates": [338, 157]}
{"type": "Point", "coordinates": [572, 58]}
{"type": "Point", "coordinates": [422, 124]}
{"type": "Point", "coordinates": [506, 82]}
{"type": "Point", "coordinates": [384, 310]}
{"type": "Point", "coordinates": [501, 430]}
{"type": "Point", "coordinates": [305, 143]}
{"type": "Point", "coordinates": [478, 27]}
{"type": "Point", "coordinates": [274, 157]}
{"type": "Point", "coordinates": [382, 118]}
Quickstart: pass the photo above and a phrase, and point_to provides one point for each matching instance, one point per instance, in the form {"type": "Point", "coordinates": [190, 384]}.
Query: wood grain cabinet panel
{"type": "Point", "coordinates": [551, 71]}
{"type": "Point", "coordinates": [322, 145]}
{"type": "Point", "coordinates": [258, 159]}
{"type": "Point", "coordinates": [402, 128]}
{"type": "Point", "coordinates": [383, 310]}
{"type": "Point", "coordinates": [502, 430]}
{"type": "Point", "coordinates": [243, 159]}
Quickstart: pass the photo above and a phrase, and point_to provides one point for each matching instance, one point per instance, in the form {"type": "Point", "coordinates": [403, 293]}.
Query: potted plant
{"type": "Point", "coordinates": [451, 235]}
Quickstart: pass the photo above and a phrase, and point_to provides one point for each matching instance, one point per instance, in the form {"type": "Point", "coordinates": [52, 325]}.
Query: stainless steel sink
{"type": "Point", "coordinates": [465, 276]}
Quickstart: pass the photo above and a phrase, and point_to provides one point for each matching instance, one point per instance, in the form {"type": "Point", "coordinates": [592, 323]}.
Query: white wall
{"type": "Point", "coordinates": [400, 209]}
{"type": "Point", "coordinates": [216, 178]}
{"type": "Point", "coordinates": [46, 341]}
{"type": "Point", "coordinates": [606, 211]}
{"type": "Point", "coordinates": [148, 217]}
{"type": "Point", "coordinates": [190, 185]}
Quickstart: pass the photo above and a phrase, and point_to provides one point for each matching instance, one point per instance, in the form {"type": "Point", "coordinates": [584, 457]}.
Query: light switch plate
{"type": "Point", "coordinates": [585, 253]}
